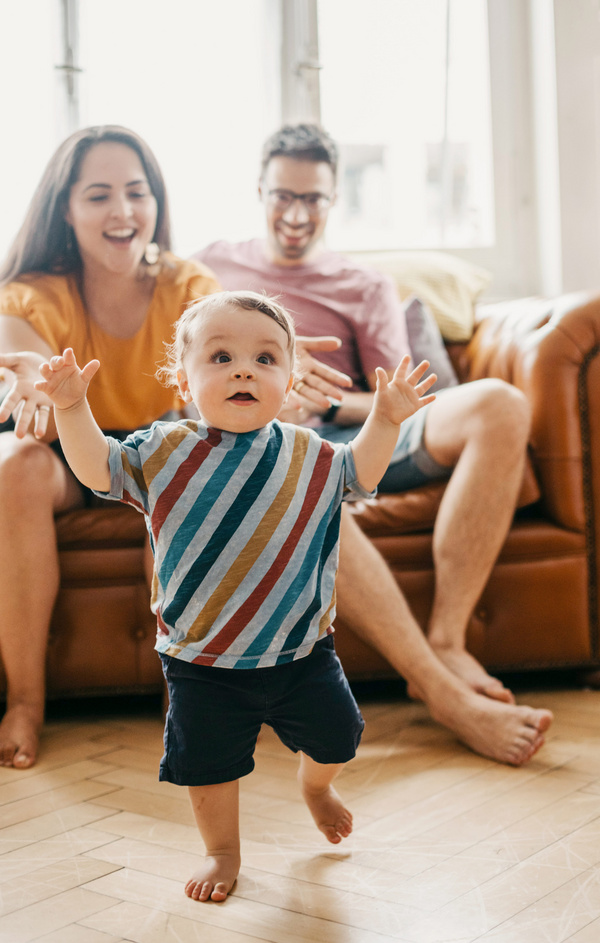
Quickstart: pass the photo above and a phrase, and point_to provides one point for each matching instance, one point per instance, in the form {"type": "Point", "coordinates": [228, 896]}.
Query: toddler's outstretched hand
{"type": "Point", "coordinates": [404, 394]}
{"type": "Point", "coordinates": [63, 381]}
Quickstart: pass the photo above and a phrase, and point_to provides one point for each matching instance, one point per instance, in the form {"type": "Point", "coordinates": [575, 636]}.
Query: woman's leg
{"type": "Point", "coordinates": [327, 809]}
{"type": "Point", "coordinates": [34, 485]}
{"type": "Point", "coordinates": [216, 810]}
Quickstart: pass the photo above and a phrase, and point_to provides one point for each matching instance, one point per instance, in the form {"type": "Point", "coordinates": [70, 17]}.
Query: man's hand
{"type": "Point", "coordinates": [318, 384]}
{"type": "Point", "coordinates": [23, 401]}
{"type": "Point", "coordinates": [398, 398]}
{"type": "Point", "coordinates": [64, 382]}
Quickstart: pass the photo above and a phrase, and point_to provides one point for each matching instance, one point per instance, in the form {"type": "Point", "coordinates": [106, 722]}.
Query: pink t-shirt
{"type": "Point", "coordinates": [331, 295]}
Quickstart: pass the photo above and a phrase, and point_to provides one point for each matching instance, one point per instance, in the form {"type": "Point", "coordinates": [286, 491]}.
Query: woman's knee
{"type": "Point", "coordinates": [27, 469]}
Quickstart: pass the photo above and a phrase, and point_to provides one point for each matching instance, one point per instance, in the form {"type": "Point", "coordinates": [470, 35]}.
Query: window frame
{"type": "Point", "coordinates": [513, 258]}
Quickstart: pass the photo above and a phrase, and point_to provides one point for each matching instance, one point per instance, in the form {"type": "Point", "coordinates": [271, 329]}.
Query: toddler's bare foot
{"type": "Point", "coordinates": [19, 736]}
{"type": "Point", "coordinates": [329, 812]}
{"type": "Point", "coordinates": [214, 879]}
{"type": "Point", "coordinates": [462, 664]}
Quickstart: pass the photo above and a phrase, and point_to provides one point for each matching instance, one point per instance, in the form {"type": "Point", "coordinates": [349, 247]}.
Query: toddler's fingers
{"type": "Point", "coordinates": [418, 372]}
{"type": "Point", "coordinates": [426, 384]}
{"type": "Point", "coordinates": [424, 400]}
{"type": "Point", "coordinates": [89, 370]}
{"type": "Point", "coordinates": [402, 368]}
{"type": "Point", "coordinates": [382, 378]}
{"type": "Point", "coordinates": [46, 372]}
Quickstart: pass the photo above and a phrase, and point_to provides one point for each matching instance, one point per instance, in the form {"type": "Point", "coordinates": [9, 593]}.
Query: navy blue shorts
{"type": "Point", "coordinates": [411, 464]}
{"type": "Point", "coordinates": [215, 715]}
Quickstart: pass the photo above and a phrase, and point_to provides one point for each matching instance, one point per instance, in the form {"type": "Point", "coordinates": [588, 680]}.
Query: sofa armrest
{"type": "Point", "coordinates": [550, 350]}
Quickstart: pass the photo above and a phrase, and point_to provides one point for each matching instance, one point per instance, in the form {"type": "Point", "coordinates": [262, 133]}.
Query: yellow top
{"type": "Point", "coordinates": [124, 394]}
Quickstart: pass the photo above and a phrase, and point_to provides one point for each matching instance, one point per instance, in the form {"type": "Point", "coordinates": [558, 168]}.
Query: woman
{"type": "Point", "coordinates": [90, 269]}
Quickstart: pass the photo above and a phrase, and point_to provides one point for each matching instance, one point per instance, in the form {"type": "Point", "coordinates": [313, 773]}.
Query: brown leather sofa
{"type": "Point", "coordinates": [539, 609]}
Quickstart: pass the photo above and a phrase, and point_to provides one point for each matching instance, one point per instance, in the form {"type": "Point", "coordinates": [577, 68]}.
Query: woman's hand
{"type": "Point", "coordinates": [317, 384]}
{"type": "Point", "coordinates": [26, 404]}
{"type": "Point", "coordinates": [64, 382]}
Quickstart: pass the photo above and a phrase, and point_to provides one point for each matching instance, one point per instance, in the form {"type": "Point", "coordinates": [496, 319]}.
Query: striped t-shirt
{"type": "Point", "coordinates": [245, 532]}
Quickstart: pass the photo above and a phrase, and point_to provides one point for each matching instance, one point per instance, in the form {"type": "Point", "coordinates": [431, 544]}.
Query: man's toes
{"type": "Point", "coordinates": [496, 690]}
{"type": "Point", "coordinates": [543, 720]}
{"type": "Point", "coordinates": [535, 745]}
{"type": "Point", "coordinates": [527, 748]}
{"type": "Point", "coordinates": [23, 760]}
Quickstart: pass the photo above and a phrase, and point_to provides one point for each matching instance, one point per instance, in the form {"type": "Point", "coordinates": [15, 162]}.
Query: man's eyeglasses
{"type": "Point", "coordinates": [315, 204]}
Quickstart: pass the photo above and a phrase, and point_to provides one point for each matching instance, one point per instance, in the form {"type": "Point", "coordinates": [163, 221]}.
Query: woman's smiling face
{"type": "Point", "coordinates": [112, 209]}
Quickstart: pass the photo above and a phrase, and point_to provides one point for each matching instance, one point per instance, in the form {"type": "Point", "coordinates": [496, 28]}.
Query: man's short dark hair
{"type": "Point", "coordinates": [301, 142]}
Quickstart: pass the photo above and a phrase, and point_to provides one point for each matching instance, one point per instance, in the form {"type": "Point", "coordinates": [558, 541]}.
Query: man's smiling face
{"type": "Point", "coordinates": [294, 231]}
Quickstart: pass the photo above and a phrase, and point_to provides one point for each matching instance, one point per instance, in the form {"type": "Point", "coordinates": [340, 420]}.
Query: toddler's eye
{"type": "Point", "coordinates": [221, 357]}
{"type": "Point", "coordinates": [265, 358]}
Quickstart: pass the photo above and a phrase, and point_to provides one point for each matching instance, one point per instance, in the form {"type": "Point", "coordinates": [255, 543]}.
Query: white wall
{"type": "Point", "coordinates": [577, 45]}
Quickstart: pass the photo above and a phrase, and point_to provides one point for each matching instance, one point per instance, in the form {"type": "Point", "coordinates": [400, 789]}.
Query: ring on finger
{"type": "Point", "coordinates": [299, 385]}
{"type": "Point", "coordinates": [44, 408]}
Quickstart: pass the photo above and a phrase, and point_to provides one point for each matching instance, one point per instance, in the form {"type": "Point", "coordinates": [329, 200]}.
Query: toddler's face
{"type": "Point", "coordinates": [237, 369]}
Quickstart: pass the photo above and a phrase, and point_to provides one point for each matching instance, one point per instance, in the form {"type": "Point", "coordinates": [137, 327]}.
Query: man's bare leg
{"type": "Point", "coordinates": [33, 485]}
{"type": "Point", "coordinates": [482, 429]}
{"type": "Point", "coordinates": [371, 603]}
{"type": "Point", "coordinates": [216, 810]}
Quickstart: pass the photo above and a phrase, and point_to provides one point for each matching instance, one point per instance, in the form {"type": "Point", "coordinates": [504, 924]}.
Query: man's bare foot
{"type": "Point", "coordinates": [214, 879]}
{"type": "Point", "coordinates": [329, 812]}
{"type": "Point", "coordinates": [464, 666]}
{"type": "Point", "coordinates": [504, 732]}
{"type": "Point", "coordinates": [19, 737]}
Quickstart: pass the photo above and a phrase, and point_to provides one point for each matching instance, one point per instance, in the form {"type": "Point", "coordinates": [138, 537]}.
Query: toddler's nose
{"type": "Point", "coordinates": [244, 373]}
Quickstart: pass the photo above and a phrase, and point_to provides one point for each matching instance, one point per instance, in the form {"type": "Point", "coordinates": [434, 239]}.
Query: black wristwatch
{"type": "Point", "coordinates": [331, 413]}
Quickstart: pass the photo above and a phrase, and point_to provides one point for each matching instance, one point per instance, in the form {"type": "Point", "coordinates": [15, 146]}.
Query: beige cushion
{"type": "Point", "coordinates": [449, 285]}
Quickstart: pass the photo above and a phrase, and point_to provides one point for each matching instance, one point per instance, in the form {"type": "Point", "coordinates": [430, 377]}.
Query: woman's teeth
{"type": "Point", "coordinates": [120, 233]}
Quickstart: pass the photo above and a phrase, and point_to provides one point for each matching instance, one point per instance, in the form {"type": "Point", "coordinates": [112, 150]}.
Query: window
{"type": "Point", "coordinates": [205, 100]}
{"type": "Point", "coordinates": [406, 94]}
{"type": "Point", "coordinates": [404, 85]}
{"type": "Point", "coordinates": [199, 80]}
{"type": "Point", "coordinates": [30, 108]}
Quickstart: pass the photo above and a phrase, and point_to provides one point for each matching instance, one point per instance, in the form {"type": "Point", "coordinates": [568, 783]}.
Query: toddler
{"type": "Point", "coordinates": [243, 513]}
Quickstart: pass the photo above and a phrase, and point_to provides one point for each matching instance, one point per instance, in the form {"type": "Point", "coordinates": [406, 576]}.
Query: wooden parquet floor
{"type": "Point", "coordinates": [448, 847]}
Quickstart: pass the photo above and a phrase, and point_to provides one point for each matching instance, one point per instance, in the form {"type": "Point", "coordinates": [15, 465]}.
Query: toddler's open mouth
{"type": "Point", "coordinates": [242, 398]}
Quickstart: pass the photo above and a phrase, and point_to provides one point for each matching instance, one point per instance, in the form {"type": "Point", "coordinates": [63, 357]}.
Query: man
{"type": "Point", "coordinates": [473, 435]}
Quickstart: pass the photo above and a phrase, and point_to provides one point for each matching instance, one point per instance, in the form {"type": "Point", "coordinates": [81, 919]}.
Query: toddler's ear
{"type": "Point", "coordinates": [184, 387]}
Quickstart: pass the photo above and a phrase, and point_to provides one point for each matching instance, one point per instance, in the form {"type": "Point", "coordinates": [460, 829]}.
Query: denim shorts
{"type": "Point", "coordinates": [411, 464]}
{"type": "Point", "coordinates": [215, 715]}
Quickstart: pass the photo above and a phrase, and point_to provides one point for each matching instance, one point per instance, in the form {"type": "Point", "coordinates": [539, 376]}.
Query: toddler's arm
{"type": "Point", "coordinates": [395, 400]}
{"type": "Point", "coordinates": [83, 442]}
